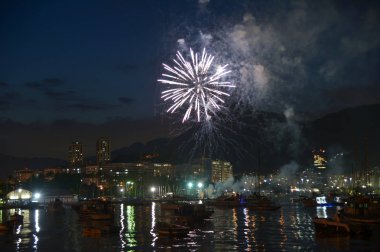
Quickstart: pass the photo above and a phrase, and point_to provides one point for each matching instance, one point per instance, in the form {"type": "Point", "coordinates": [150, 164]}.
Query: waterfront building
{"type": "Point", "coordinates": [49, 173]}
{"type": "Point", "coordinates": [103, 151]}
{"type": "Point", "coordinates": [201, 168]}
{"type": "Point", "coordinates": [20, 196]}
{"type": "Point", "coordinates": [320, 164]}
{"type": "Point", "coordinates": [220, 171]}
{"type": "Point", "coordinates": [163, 170]}
{"type": "Point", "coordinates": [320, 158]}
{"type": "Point", "coordinates": [24, 174]}
{"type": "Point", "coordinates": [76, 157]}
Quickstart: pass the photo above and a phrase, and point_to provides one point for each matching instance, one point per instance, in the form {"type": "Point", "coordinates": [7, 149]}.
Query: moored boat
{"type": "Point", "coordinates": [173, 230]}
{"type": "Point", "coordinates": [329, 225]}
{"type": "Point", "coordinates": [233, 200]}
{"type": "Point", "coordinates": [362, 209]}
{"type": "Point", "coordinates": [261, 203]}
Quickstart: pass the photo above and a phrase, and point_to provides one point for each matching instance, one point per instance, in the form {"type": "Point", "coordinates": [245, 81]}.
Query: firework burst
{"type": "Point", "coordinates": [195, 87]}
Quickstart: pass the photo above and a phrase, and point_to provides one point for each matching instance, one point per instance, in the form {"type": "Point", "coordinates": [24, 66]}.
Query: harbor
{"type": "Point", "coordinates": [134, 227]}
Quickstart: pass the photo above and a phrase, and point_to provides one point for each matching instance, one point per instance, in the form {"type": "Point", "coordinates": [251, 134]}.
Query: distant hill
{"type": "Point", "coordinates": [278, 139]}
{"type": "Point", "coordinates": [8, 164]}
{"type": "Point", "coordinates": [354, 131]}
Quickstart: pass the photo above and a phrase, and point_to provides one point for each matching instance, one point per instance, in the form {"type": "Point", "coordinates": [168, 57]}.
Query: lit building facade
{"type": "Point", "coordinates": [24, 174]}
{"type": "Point", "coordinates": [76, 155]}
{"type": "Point", "coordinates": [320, 158]}
{"type": "Point", "coordinates": [49, 173]}
{"type": "Point", "coordinates": [201, 168]}
{"type": "Point", "coordinates": [103, 151]}
{"type": "Point", "coordinates": [221, 171]}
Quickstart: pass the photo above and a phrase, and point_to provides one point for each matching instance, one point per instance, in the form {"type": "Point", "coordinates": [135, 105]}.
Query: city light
{"type": "Point", "coordinates": [190, 185]}
{"type": "Point", "coordinates": [153, 189]}
{"type": "Point", "coordinates": [200, 185]}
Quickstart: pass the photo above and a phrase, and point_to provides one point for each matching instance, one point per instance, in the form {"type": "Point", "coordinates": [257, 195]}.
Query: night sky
{"type": "Point", "coordinates": [84, 69]}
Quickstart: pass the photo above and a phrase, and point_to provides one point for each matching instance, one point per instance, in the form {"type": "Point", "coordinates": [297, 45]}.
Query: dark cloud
{"type": "Point", "coordinates": [65, 95]}
{"type": "Point", "coordinates": [3, 84]}
{"type": "Point", "coordinates": [6, 100]}
{"type": "Point", "coordinates": [125, 100]}
{"type": "Point", "coordinates": [45, 83]}
{"type": "Point", "coordinates": [11, 95]}
{"type": "Point", "coordinates": [4, 105]}
{"type": "Point", "coordinates": [90, 106]}
{"type": "Point", "coordinates": [354, 96]}
{"type": "Point", "coordinates": [53, 81]}
{"type": "Point", "coordinates": [34, 84]}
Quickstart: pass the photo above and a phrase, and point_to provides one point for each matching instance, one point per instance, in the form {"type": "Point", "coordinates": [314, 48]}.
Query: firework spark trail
{"type": "Point", "coordinates": [195, 85]}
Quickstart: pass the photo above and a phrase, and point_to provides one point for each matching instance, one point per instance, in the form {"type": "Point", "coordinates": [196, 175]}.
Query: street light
{"type": "Point", "coordinates": [190, 185]}
{"type": "Point", "coordinates": [200, 185]}
{"type": "Point", "coordinates": [153, 189]}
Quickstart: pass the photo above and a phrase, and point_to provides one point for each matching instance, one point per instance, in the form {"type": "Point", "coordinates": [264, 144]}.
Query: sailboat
{"type": "Point", "coordinates": [259, 202]}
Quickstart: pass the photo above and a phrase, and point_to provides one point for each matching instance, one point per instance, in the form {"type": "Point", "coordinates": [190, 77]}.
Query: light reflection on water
{"type": "Point", "coordinates": [235, 229]}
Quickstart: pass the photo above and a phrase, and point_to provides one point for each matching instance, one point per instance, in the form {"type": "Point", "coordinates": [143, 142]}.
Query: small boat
{"type": "Point", "coordinates": [227, 201]}
{"type": "Point", "coordinates": [16, 219]}
{"type": "Point", "coordinates": [173, 230]}
{"type": "Point", "coordinates": [261, 203]}
{"type": "Point", "coordinates": [4, 228]}
{"type": "Point", "coordinates": [96, 210]}
{"type": "Point", "coordinates": [329, 225]}
{"type": "Point", "coordinates": [169, 205]}
{"type": "Point", "coordinates": [101, 216]}
{"type": "Point", "coordinates": [362, 209]}
{"type": "Point", "coordinates": [56, 206]}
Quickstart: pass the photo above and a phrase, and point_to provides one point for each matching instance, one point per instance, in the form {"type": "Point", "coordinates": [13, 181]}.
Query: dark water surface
{"type": "Point", "coordinates": [235, 229]}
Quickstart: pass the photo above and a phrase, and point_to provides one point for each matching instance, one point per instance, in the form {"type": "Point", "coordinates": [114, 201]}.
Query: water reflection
{"type": "Point", "coordinates": [321, 212]}
{"type": "Point", "coordinates": [121, 233]}
{"type": "Point", "coordinates": [235, 229]}
{"type": "Point", "coordinates": [130, 234]}
{"type": "Point", "coordinates": [36, 228]}
{"type": "Point", "coordinates": [152, 229]}
{"type": "Point", "coordinates": [37, 220]}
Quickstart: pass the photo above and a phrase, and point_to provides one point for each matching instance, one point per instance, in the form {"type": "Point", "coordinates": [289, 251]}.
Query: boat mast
{"type": "Point", "coordinates": [258, 171]}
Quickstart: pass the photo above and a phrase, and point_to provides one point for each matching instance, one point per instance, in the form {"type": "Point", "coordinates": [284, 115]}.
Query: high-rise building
{"type": "Point", "coordinates": [320, 158]}
{"type": "Point", "coordinates": [76, 155]}
{"type": "Point", "coordinates": [103, 151]}
{"type": "Point", "coordinates": [221, 171]}
{"type": "Point", "coordinates": [201, 168]}
{"type": "Point", "coordinates": [320, 164]}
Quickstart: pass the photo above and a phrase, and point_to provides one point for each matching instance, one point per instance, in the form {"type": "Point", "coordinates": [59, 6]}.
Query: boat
{"type": "Point", "coordinates": [330, 225]}
{"type": "Point", "coordinates": [172, 230]}
{"type": "Point", "coordinates": [320, 200]}
{"type": "Point", "coordinates": [96, 210]}
{"type": "Point", "coordinates": [169, 205]}
{"type": "Point", "coordinates": [256, 201]}
{"type": "Point", "coordinates": [4, 228]}
{"type": "Point", "coordinates": [261, 203]}
{"type": "Point", "coordinates": [233, 200]}
{"type": "Point", "coordinates": [362, 209]}
{"type": "Point", "coordinates": [16, 219]}
{"type": "Point", "coordinates": [101, 216]}
{"type": "Point", "coordinates": [56, 206]}
{"type": "Point", "coordinates": [186, 213]}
